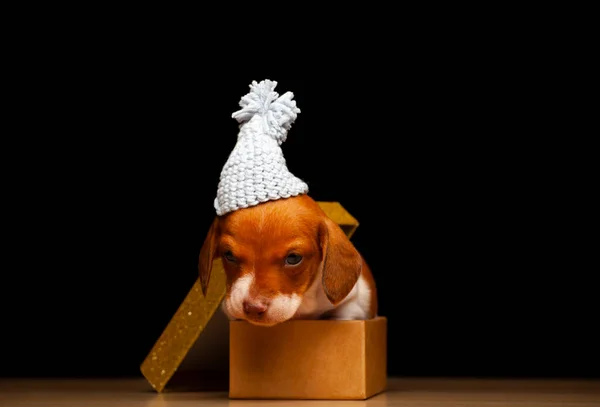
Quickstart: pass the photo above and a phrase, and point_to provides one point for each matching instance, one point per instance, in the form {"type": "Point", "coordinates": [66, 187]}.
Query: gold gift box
{"type": "Point", "coordinates": [192, 352]}
{"type": "Point", "coordinates": [347, 362]}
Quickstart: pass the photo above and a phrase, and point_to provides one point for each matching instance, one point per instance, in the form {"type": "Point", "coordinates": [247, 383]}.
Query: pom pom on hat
{"type": "Point", "coordinates": [277, 112]}
{"type": "Point", "coordinates": [256, 170]}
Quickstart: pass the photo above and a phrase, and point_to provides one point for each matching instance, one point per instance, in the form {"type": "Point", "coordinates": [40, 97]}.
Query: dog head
{"type": "Point", "coordinates": [272, 253]}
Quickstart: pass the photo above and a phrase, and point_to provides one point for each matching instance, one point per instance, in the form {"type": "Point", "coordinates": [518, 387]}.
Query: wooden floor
{"type": "Point", "coordinates": [401, 393]}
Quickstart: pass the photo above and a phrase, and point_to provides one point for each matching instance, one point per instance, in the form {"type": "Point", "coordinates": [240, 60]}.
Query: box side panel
{"type": "Point", "coordinates": [297, 360]}
{"type": "Point", "coordinates": [183, 330]}
{"type": "Point", "coordinates": [376, 356]}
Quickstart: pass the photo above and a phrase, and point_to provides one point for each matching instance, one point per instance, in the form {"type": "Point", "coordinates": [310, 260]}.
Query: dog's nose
{"type": "Point", "coordinates": [255, 307]}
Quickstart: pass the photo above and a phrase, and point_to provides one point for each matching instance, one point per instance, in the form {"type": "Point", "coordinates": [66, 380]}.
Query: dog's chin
{"type": "Point", "coordinates": [283, 308]}
{"type": "Point", "coordinates": [265, 320]}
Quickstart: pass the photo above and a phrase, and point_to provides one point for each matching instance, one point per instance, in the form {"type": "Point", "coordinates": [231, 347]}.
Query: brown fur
{"type": "Point", "coordinates": [261, 237]}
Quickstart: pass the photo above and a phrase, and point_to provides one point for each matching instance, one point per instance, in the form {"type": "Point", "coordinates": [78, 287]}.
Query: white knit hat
{"type": "Point", "coordinates": [256, 170]}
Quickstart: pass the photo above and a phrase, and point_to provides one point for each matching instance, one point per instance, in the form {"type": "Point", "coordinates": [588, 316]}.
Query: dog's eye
{"type": "Point", "coordinates": [229, 256]}
{"type": "Point", "coordinates": [293, 259]}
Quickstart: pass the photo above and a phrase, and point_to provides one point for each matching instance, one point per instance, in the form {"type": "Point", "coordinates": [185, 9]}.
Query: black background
{"type": "Point", "coordinates": [110, 167]}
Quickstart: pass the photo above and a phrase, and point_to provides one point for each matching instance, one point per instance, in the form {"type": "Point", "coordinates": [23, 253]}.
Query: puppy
{"type": "Point", "coordinates": [284, 260]}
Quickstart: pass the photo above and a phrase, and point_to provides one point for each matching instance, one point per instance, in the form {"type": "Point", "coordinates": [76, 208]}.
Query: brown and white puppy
{"type": "Point", "coordinates": [286, 259]}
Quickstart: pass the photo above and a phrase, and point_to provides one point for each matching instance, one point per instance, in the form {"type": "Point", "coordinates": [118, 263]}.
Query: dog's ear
{"type": "Point", "coordinates": [207, 254]}
{"type": "Point", "coordinates": [341, 262]}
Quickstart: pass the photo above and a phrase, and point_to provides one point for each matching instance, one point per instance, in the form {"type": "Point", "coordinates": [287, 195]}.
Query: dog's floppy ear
{"type": "Point", "coordinates": [207, 254]}
{"type": "Point", "coordinates": [341, 261]}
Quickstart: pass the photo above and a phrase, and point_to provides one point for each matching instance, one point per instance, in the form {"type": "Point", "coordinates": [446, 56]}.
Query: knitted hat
{"type": "Point", "coordinates": [256, 170]}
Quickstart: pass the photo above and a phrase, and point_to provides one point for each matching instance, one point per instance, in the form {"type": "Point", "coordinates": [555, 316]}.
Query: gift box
{"type": "Point", "coordinates": [193, 353]}
{"type": "Point", "coordinates": [327, 360]}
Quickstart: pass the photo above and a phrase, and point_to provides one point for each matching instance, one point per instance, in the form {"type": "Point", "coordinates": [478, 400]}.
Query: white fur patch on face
{"type": "Point", "coordinates": [233, 305]}
{"type": "Point", "coordinates": [282, 308]}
